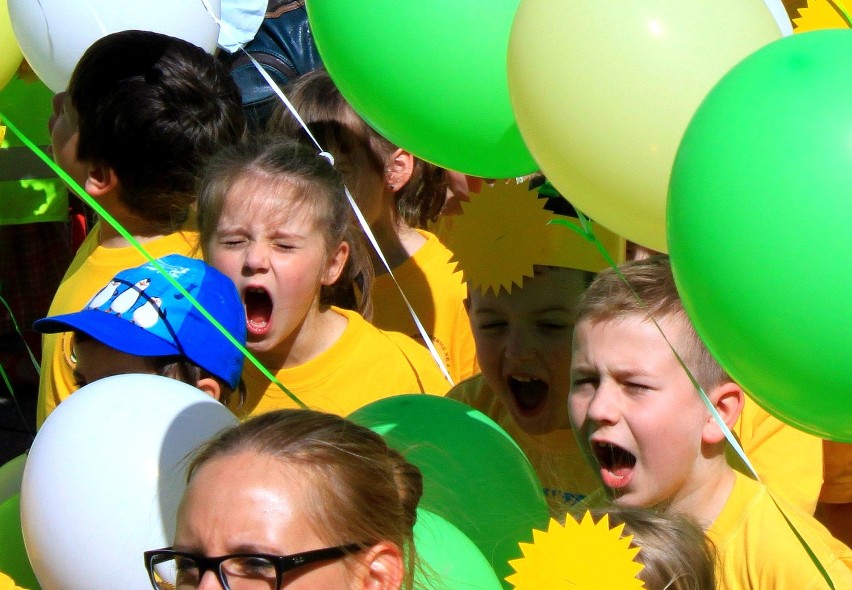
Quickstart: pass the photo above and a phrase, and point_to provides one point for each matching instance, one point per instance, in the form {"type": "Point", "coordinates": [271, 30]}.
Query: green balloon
{"type": "Point", "coordinates": [759, 226]}
{"type": "Point", "coordinates": [430, 77]}
{"type": "Point", "coordinates": [474, 475]}
{"type": "Point", "coordinates": [14, 561]}
{"type": "Point", "coordinates": [452, 560]}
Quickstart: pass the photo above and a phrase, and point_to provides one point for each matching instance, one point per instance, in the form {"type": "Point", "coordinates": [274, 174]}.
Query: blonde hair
{"type": "Point", "coordinates": [273, 159]}
{"type": "Point", "coordinates": [340, 129]}
{"type": "Point", "coordinates": [676, 553]}
{"type": "Point", "coordinates": [363, 490]}
{"type": "Point", "coordinates": [612, 297]}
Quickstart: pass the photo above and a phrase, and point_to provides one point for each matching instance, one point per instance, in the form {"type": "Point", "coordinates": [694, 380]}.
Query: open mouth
{"type": "Point", "coordinates": [616, 464]}
{"type": "Point", "coordinates": [258, 310]}
{"type": "Point", "coordinates": [529, 393]}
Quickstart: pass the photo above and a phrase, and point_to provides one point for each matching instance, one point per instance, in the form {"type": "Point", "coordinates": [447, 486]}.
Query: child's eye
{"type": "Point", "coordinates": [554, 326]}
{"type": "Point", "coordinates": [491, 326]}
{"type": "Point", "coordinates": [579, 382]}
{"type": "Point", "coordinates": [285, 246]}
{"type": "Point", "coordinates": [231, 241]}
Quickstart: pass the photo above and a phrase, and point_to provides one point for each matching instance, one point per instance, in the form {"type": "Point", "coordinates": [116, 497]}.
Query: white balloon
{"type": "Point", "coordinates": [53, 34]}
{"type": "Point", "coordinates": [105, 475]}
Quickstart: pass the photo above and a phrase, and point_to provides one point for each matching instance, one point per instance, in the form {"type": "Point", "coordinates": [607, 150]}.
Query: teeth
{"type": "Point", "coordinates": [522, 379]}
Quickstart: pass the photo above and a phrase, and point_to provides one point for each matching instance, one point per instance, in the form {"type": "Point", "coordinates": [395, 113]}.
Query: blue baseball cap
{"type": "Point", "coordinates": [140, 312]}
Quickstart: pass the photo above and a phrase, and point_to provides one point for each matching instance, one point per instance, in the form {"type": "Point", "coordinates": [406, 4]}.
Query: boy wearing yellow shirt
{"type": "Point", "coordinates": [142, 114]}
{"type": "Point", "coordinates": [653, 442]}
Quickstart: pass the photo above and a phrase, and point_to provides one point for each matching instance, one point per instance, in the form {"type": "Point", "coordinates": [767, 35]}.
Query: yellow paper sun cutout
{"type": "Point", "coordinates": [578, 556]}
{"type": "Point", "coordinates": [505, 231]}
{"type": "Point", "coordinates": [822, 14]}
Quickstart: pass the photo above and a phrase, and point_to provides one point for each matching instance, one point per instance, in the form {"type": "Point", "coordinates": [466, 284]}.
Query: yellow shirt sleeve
{"type": "Point", "coordinates": [757, 548]}
{"type": "Point", "coordinates": [7, 583]}
{"type": "Point", "coordinates": [92, 268]}
{"type": "Point", "coordinates": [787, 460]}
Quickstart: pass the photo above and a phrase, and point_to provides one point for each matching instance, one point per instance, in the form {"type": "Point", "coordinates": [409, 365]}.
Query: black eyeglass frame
{"type": "Point", "coordinates": [282, 563]}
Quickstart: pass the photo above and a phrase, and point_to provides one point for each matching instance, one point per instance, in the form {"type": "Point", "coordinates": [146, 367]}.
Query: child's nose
{"type": "Point", "coordinates": [519, 345]}
{"type": "Point", "coordinates": [603, 407]}
{"type": "Point", "coordinates": [257, 257]}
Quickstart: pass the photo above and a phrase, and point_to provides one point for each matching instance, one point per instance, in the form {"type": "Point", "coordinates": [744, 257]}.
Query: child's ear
{"type": "Point", "coordinates": [100, 180]}
{"type": "Point", "coordinates": [381, 567]}
{"type": "Point", "coordinates": [398, 169]}
{"type": "Point", "coordinates": [211, 387]}
{"type": "Point", "coordinates": [336, 264]}
{"type": "Point", "coordinates": [728, 400]}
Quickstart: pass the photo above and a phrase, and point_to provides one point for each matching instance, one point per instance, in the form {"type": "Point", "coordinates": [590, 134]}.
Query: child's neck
{"type": "Point", "coordinates": [141, 229]}
{"type": "Point", "coordinates": [319, 330]}
{"type": "Point", "coordinates": [707, 494]}
{"type": "Point", "coordinates": [398, 242]}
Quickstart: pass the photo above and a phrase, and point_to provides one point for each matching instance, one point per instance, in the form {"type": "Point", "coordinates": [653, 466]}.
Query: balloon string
{"type": "Point", "coordinates": [361, 220]}
{"type": "Point", "coordinates": [427, 340]}
{"type": "Point", "coordinates": [587, 232]}
{"type": "Point", "coordinates": [127, 236]}
{"type": "Point", "coordinates": [844, 14]}
{"type": "Point", "coordinates": [15, 401]}
{"type": "Point", "coordinates": [24, 340]}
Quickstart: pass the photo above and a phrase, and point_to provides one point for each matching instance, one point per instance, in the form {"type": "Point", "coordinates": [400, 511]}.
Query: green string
{"type": "Point", "coordinates": [587, 232]}
{"type": "Point", "coordinates": [127, 236]}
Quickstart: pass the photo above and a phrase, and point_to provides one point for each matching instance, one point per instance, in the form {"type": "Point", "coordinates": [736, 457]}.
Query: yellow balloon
{"type": "Point", "coordinates": [603, 90]}
{"type": "Point", "coordinates": [10, 53]}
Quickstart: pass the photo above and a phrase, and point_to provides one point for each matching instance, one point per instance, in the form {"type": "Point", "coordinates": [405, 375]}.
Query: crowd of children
{"type": "Point", "coordinates": [571, 364]}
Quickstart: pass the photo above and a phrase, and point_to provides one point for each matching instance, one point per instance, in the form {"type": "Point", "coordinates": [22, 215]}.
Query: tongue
{"type": "Point", "coordinates": [529, 395]}
{"type": "Point", "coordinates": [258, 310]}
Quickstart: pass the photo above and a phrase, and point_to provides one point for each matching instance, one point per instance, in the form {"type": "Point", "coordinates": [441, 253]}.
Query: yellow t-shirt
{"type": "Point", "coordinates": [555, 456]}
{"type": "Point", "coordinates": [837, 488]}
{"type": "Point", "coordinates": [93, 266]}
{"type": "Point", "coordinates": [364, 365]}
{"type": "Point", "coordinates": [758, 550]}
{"type": "Point", "coordinates": [7, 583]}
{"type": "Point", "coordinates": [787, 460]}
{"type": "Point", "coordinates": [436, 292]}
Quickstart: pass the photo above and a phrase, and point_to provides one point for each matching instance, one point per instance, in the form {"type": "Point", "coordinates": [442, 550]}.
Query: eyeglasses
{"type": "Point", "coordinates": [178, 570]}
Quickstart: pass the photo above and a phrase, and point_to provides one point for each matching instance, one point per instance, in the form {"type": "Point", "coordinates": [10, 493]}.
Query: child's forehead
{"type": "Point", "coordinates": [550, 287]}
{"type": "Point", "coordinates": [266, 197]}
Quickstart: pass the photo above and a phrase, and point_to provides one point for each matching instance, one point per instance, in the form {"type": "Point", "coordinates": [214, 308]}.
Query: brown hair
{"type": "Point", "coordinates": [363, 490]}
{"type": "Point", "coordinates": [275, 160]}
{"type": "Point", "coordinates": [676, 553]}
{"type": "Point", "coordinates": [611, 297]}
{"type": "Point", "coordinates": [154, 108]}
{"type": "Point", "coordinates": [340, 129]}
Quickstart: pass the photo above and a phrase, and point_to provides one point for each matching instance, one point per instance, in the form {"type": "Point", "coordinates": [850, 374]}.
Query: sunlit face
{"type": "Point", "coordinates": [64, 134]}
{"type": "Point", "coordinates": [635, 412]}
{"type": "Point", "coordinates": [254, 503]}
{"type": "Point", "coordinates": [523, 344]}
{"type": "Point", "coordinates": [270, 245]}
{"type": "Point", "coordinates": [97, 361]}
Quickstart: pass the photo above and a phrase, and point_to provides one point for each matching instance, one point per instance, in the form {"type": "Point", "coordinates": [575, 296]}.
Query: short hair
{"type": "Point", "coordinates": [273, 160]}
{"type": "Point", "coordinates": [153, 108]}
{"type": "Point", "coordinates": [340, 129]}
{"type": "Point", "coordinates": [362, 489]}
{"type": "Point", "coordinates": [676, 553]}
{"type": "Point", "coordinates": [612, 296]}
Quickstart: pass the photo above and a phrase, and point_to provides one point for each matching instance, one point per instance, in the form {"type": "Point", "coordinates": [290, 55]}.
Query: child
{"type": "Point", "coordinates": [142, 113]}
{"type": "Point", "coordinates": [140, 323]}
{"type": "Point", "coordinates": [273, 217]}
{"type": "Point", "coordinates": [674, 550]}
{"type": "Point", "coordinates": [397, 194]}
{"type": "Point", "coordinates": [525, 278]}
{"type": "Point", "coordinates": [643, 427]}
{"type": "Point", "coordinates": [294, 498]}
